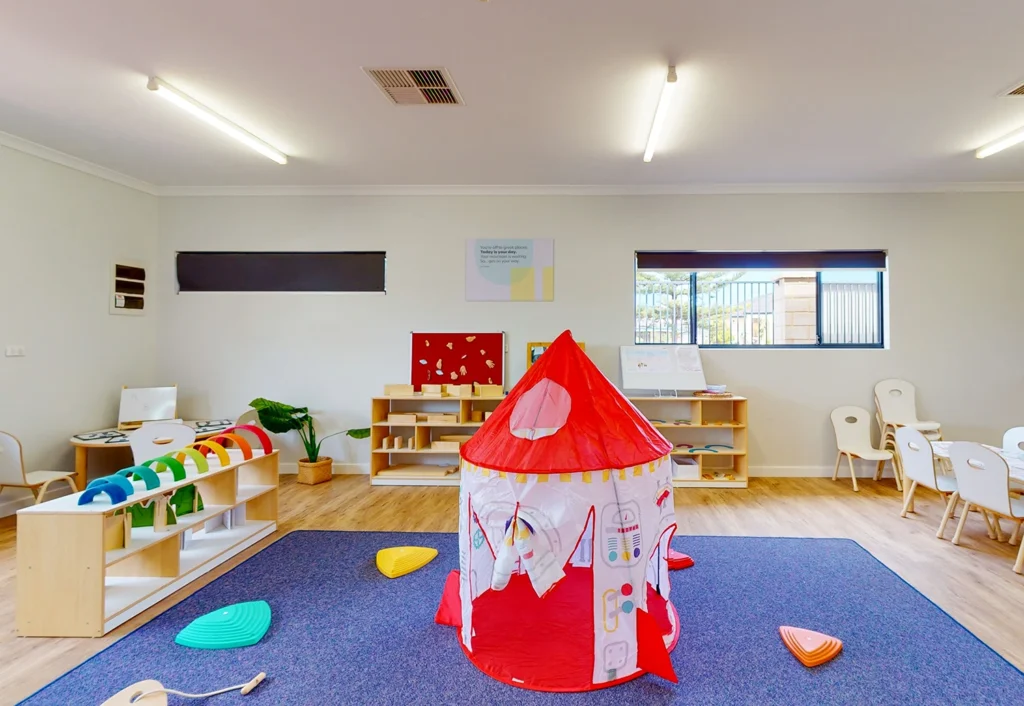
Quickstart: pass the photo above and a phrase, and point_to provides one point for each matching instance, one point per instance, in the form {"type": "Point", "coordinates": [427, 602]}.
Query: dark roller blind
{"type": "Point", "coordinates": [281, 271]}
{"type": "Point", "coordinates": [752, 260]}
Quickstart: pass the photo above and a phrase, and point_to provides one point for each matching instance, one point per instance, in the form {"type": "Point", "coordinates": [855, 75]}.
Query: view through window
{"type": "Point", "coordinates": [755, 305]}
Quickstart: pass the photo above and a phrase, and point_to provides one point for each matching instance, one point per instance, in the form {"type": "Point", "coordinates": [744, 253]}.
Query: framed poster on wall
{"type": "Point", "coordinates": [458, 359]}
{"type": "Point", "coordinates": [516, 270]}
{"type": "Point", "coordinates": [534, 349]}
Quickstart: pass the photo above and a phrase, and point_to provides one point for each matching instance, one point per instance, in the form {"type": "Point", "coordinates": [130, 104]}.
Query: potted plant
{"type": "Point", "coordinates": [280, 418]}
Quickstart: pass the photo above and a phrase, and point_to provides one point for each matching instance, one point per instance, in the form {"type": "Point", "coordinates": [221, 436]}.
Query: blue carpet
{"type": "Point", "coordinates": [344, 634]}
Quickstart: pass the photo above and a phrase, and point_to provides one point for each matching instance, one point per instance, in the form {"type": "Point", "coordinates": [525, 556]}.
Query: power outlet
{"type": "Point", "coordinates": [14, 351]}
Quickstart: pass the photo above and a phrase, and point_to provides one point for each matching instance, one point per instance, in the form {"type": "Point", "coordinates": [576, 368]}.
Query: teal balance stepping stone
{"type": "Point", "coordinates": [237, 625]}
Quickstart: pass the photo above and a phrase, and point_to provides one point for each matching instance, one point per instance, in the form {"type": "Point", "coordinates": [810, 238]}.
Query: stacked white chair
{"type": "Point", "coordinates": [895, 407]}
{"type": "Point", "coordinates": [1013, 441]}
{"type": "Point", "coordinates": [983, 481]}
{"type": "Point", "coordinates": [918, 463]}
{"type": "Point", "coordinates": [852, 426]}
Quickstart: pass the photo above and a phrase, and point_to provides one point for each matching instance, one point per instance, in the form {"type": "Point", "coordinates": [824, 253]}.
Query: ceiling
{"type": "Point", "coordinates": [557, 92]}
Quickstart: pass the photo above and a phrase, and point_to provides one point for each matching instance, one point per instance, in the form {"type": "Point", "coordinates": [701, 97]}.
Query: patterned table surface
{"type": "Point", "coordinates": [112, 437]}
{"type": "Point", "coordinates": [1014, 459]}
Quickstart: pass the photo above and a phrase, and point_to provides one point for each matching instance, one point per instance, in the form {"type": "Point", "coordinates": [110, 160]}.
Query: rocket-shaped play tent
{"type": "Point", "coordinates": [565, 521]}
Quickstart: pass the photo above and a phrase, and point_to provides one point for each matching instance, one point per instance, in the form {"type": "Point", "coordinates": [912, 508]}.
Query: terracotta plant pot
{"type": "Point", "coordinates": [318, 471]}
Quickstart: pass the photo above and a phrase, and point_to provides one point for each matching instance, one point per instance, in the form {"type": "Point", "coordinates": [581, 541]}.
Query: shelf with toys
{"type": "Point", "coordinates": [709, 432]}
{"type": "Point", "coordinates": [408, 427]}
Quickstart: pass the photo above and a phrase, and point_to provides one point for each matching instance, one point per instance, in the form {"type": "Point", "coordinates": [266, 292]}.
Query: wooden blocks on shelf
{"type": "Point", "coordinates": [433, 391]}
{"type": "Point", "coordinates": [461, 438]}
{"type": "Point", "coordinates": [445, 445]}
{"type": "Point", "coordinates": [399, 390]}
{"type": "Point", "coordinates": [400, 418]}
{"type": "Point", "coordinates": [487, 415]}
{"type": "Point", "coordinates": [488, 390]}
{"type": "Point", "coordinates": [460, 391]}
{"type": "Point", "coordinates": [477, 415]}
{"type": "Point", "coordinates": [442, 419]}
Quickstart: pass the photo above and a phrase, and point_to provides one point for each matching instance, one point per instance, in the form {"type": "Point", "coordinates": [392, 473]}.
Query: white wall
{"type": "Point", "coordinates": [60, 229]}
{"type": "Point", "coordinates": [956, 264]}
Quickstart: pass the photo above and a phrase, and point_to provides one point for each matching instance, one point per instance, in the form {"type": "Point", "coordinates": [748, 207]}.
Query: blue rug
{"type": "Point", "coordinates": [344, 634]}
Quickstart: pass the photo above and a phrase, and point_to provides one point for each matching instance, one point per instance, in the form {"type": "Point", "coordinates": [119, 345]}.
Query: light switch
{"type": "Point", "coordinates": [14, 351]}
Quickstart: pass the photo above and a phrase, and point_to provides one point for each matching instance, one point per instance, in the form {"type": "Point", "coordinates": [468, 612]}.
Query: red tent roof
{"type": "Point", "coordinates": [564, 416]}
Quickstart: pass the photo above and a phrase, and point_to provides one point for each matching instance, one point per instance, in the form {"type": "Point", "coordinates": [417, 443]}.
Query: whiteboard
{"type": "Point", "coordinates": [661, 368]}
{"type": "Point", "coordinates": [147, 404]}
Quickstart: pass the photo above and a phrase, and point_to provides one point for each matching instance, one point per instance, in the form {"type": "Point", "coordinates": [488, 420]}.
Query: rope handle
{"type": "Point", "coordinates": [246, 688]}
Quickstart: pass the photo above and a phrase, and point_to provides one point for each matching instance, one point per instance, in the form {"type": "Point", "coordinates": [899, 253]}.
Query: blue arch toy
{"type": "Point", "coordinates": [114, 492]}
{"type": "Point", "coordinates": [120, 481]}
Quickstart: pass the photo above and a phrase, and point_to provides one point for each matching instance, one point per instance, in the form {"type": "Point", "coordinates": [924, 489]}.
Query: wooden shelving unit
{"type": "Point", "coordinates": [421, 464]}
{"type": "Point", "coordinates": [710, 435]}
{"type": "Point", "coordinates": [81, 572]}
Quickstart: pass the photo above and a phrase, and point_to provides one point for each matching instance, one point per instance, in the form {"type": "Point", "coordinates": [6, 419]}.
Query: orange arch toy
{"type": "Point", "coordinates": [259, 433]}
{"type": "Point", "coordinates": [239, 441]}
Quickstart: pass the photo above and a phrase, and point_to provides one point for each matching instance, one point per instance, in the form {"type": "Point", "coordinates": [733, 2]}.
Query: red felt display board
{"type": "Point", "coordinates": [458, 358]}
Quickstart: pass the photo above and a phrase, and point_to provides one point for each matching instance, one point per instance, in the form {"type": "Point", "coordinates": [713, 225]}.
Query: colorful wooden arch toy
{"type": "Point", "coordinates": [222, 453]}
{"type": "Point", "coordinates": [143, 473]}
{"type": "Point", "coordinates": [199, 459]}
{"type": "Point", "coordinates": [239, 441]}
{"type": "Point", "coordinates": [259, 433]}
{"type": "Point", "coordinates": [168, 462]}
{"type": "Point", "coordinates": [114, 492]}
{"type": "Point", "coordinates": [124, 483]}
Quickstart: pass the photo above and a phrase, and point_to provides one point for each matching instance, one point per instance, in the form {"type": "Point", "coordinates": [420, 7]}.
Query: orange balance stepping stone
{"type": "Point", "coordinates": [811, 648]}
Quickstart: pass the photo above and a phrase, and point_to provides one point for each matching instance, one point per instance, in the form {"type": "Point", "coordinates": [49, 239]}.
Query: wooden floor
{"type": "Point", "coordinates": [973, 582]}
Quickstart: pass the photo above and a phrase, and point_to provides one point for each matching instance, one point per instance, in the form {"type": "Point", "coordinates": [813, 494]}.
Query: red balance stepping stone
{"type": "Point", "coordinates": [678, 560]}
{"type": "Point", "coordinates": [811, 648]}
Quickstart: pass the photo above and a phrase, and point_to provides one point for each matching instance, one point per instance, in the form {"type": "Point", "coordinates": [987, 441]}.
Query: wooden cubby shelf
{"type": "Point", "coordinates": [391, 466]}
{"type": "Point", "coordinates": [117, 570]}
{"type": "Point", "coordinates": [710, 436]}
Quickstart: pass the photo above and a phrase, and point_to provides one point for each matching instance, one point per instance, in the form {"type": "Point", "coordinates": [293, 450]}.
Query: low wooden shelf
{"type": "Point", "coordinates": [694, 423]}
{"type": "Point", "coordinates": [71, 584]}
{"type": "Point", "coordinates": [410, 466]}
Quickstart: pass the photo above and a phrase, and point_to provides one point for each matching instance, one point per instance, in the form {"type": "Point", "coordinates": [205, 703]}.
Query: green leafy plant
{"type": "Point", "coordinates": [280, 418]}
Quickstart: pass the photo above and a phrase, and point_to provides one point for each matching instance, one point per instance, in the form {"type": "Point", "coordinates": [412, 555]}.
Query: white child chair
{"type": "Point", "coordinates": [1013, 441]}
{"type": "Point", "coordinates": [249, 417]}
{"type": "Point", "coordinates": [918, 464]}
{"type": "Point", "coordinates": [13, 475]}
{"type": "Point", "coordinates": [896, 401]}
{"type": "Point", "coordinates": [155, 439]}
{"type": "Point", "coordinates": [853, 437]}
{"type": "Point", "coordinates": [983, 480]}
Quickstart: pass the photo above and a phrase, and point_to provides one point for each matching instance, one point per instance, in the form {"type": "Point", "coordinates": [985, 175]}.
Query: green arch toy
{"type": "Point", "coordinates": [165, 462]}
{"type": "Point", "coordinates": [199, 459]}
{"type": "Point", "coordinates": [142, 473]}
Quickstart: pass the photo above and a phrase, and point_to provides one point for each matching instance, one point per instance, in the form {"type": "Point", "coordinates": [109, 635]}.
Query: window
{"type": "Point", "coordinates": [281, 271]}
{"type": "Point", "coordinates": [759, 299]}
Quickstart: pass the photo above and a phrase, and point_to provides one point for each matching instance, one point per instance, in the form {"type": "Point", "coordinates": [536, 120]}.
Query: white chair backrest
{"type": "Point", "coordinates": [916, 457]}
{"type": "Point", "coordinates": [853, 427]}
{"type": "Point", "coordinates": [982, 476]}
{"type": "Point", "coordinates": [158, 438]}
{"type": "Point", "coordinates": [897, 401]}
{"type": "Point", "coordinates": [250, 417]}
{"type": "Point", "coordinates": [1013, 440]}
{"type": "Point", "coordinates": [12, 466]}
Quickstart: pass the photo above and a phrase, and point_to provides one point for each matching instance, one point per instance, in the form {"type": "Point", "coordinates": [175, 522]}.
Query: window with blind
{"type": "Point", "coordinates": [817, 299]}
{"type": "Point", "coordinates": [281, 271]}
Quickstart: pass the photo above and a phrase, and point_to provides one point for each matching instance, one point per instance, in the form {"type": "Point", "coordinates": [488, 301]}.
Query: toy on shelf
{"type": "Point", "coordinates": [399, 561]}
{"type": "Point", "coordinates": [125, 484]}
{"type": "Point", "coordinates": [114, 492]}
{"type": "Point", "coordinates": [152, 693]}
{"type": "Point", "coordinates": [399, 390]}
{"type": "Point", "coordinates": [167, 463]}
{"type": "Point", "coordinates": [811, 648]}
{"type": "Point", "coordinates": [144, 473]}
{"type": "Point", "coordinates": [237, 625]}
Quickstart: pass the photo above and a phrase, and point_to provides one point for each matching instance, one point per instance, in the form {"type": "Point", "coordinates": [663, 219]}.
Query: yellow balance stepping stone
{"type": "Point", "coordinates": [399, 561]}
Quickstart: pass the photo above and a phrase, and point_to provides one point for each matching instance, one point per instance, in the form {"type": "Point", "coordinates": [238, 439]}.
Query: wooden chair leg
{"type": "Point", "coordinates": [853, 473]}
{"type": "Point", "coordinates": [950, 506]}
{"type": "Point", "coordinates": [1015, 537]}
{"type": "Point", "coordinates": [988, 523]}
{"type": "Point", "coordinates": [996, 526]}
{"type": "Point", "coordinates": [909, 499]}
{"type": "Point", "coordinates": [71, 481]}
{"type": "Point", "coordinates": [963, 521]}
{"type": "Point", "coordinates": [1018, 567]}
{"type": "Point", "coordinates": [880, 470]}
{"type": "Point", "coordinates": [835, 473]}
{"type": "Point", "coordinates": [38, 491]}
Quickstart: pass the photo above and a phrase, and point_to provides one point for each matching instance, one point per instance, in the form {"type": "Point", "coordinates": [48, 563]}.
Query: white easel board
{"type": "Point", "coordinates": [662, 368]}
{"type": "Point", "coordinates": [146, 404]}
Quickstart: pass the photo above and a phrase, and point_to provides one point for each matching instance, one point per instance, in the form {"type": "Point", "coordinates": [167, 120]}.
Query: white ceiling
{"type": "Point", "coordinates": [556, 91]}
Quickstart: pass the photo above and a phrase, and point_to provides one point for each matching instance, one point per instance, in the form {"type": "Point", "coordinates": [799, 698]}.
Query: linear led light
{"type": "Point", "coordinates": [659, 114]}
{"type": "Point", "coordinates": [200, 111]}
{"type": "Point", "coordinates": [1014, 138]}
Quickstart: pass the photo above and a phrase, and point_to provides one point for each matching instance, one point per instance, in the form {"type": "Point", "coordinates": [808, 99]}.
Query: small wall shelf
{"type": "Point", "coordinates": [710, 435]}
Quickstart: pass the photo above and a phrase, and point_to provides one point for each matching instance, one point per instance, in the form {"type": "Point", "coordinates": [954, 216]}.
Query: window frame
{"type": "Point", "coordinates": [879, 283]}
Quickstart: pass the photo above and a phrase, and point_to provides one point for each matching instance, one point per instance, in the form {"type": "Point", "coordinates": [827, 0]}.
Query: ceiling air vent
{"type": "Point", "coordinates": [1018, 91]}
{"type": "Point", "coordinates": [416, 86]}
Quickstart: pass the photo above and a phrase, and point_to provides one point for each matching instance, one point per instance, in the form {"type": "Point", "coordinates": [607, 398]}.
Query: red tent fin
{"type": "Point", "coordinates": [652, 656]}
{"type": "Point", "coordinates": [450, 610]}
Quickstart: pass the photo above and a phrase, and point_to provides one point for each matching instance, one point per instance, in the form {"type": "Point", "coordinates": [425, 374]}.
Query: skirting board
{"type": "Point", "coordinates": [338, 469]}
{"type": "Point", "coordinates": [20, 497]}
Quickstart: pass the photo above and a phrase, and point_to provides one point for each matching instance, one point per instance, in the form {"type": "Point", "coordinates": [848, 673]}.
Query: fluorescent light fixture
{"type": "Point", "coordinates": [200, 111]}
{"type": "Point", "coordinates": [659, 114]}
{"type": "Point", "coordinates": [1014, 138]}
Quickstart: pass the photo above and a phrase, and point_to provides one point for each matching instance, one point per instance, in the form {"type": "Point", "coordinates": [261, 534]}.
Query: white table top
{"type": "Point", "coordinates": [102, 438]}
{"type": "Point", "coordinates": [1013, 459]}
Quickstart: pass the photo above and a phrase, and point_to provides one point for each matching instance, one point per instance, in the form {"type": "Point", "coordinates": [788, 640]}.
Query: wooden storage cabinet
{"type": "Point", "coordinates": [78, 577]}
{"type": "Point", "coordinates": [420, 422]}
{"type": "Point", "coordinates": [710, 436]}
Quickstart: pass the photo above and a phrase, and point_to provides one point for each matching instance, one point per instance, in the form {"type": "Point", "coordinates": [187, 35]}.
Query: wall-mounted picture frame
{"type": "Point", "coordinates": [534, 349]}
